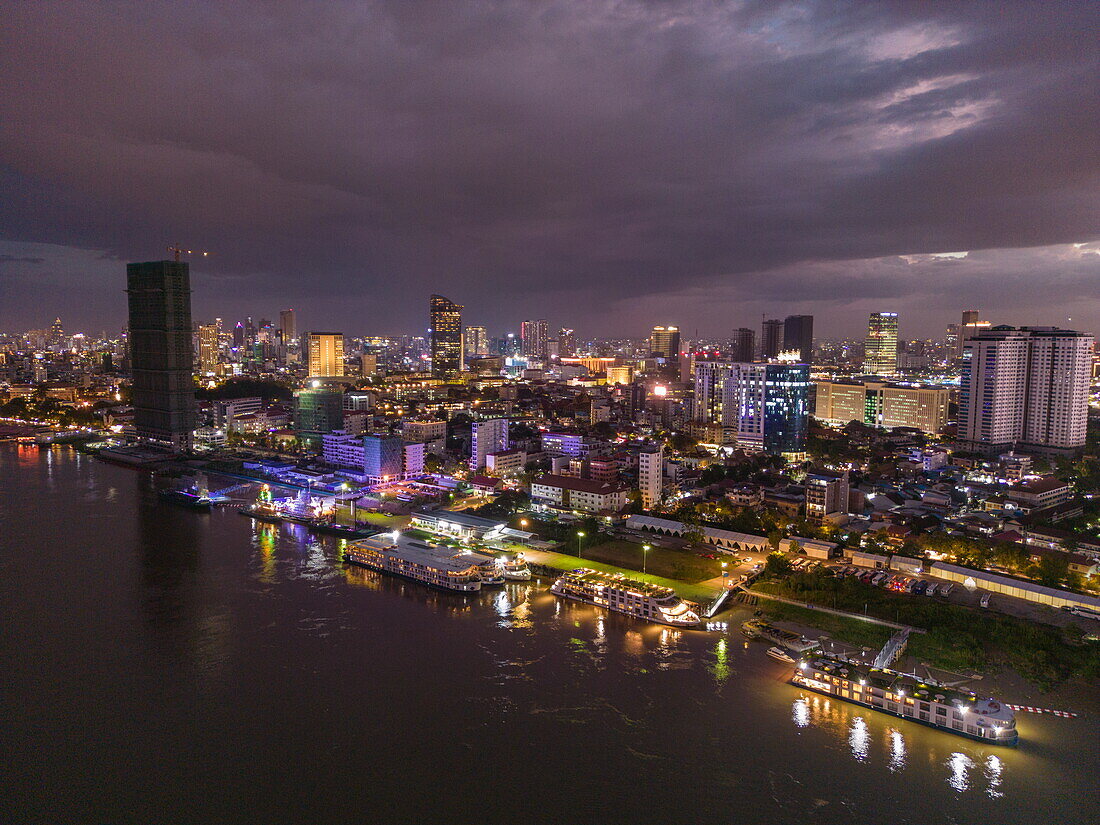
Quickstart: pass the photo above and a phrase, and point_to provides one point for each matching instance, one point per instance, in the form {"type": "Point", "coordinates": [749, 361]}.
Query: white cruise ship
{"type": "Point", "coordinates": [489, 568]}
{"type": "Point", "coordinates": [902, 694]}
{"type": "Point", "coordinates": [427, 563]}
{"type": "Point", "coordinates": [516, 569]}
{"type": "Point", "coordinates": [622, 595]}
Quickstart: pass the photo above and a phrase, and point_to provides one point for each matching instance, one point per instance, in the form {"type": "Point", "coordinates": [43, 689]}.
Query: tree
{"type": "Point", "coordinates": [1010, 555]}
{"type": "Point", "coordinates": [1052, 570]}
{"type": "Point", "coordinates": [712, 474]}
{"type": "Point", "coordinates": [777, 565]}
{"type": "Point", "coordinates": [682, 443]}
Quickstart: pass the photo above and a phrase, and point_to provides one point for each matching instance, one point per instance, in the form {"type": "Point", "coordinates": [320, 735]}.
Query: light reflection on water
{"type": "Point", "coordinates": [897, 750]}
{"type": "Point", "coordinates": [959, 765]}
{"type": "Point", "coordinates": [838, 719]}
{"type": "Point", "coordinates": [859, 739]}
{"type": "Point", "coordinates": [800, 712]}
{"type": "Point", "coordinates": [993, 769]}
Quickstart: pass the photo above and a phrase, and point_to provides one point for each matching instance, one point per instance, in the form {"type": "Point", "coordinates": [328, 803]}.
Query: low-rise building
{"type": "Point", "coordinates": [581, 495]}
{"type": "Point", "coordinates": [1039, 493]}
{"type": "Point", "coordinates": [506, 462]}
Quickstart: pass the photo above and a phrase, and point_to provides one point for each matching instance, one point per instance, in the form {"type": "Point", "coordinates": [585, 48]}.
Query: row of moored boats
{"type": "Point", "coordinates": [464, 571]}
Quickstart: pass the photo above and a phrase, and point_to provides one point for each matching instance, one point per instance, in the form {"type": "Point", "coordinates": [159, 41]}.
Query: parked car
{"type": "Point", "coordinates": [985, 600]}
{"type": "Point", "coordinates": [945, 589]}
{"type": "Point", "coordinates": [878, 579]}
{"type": "Point", "coordinates": [931, 591]}
{"type": "Point", "coordinates": [919, 588]}
{"type": "Point", "coordinates": [910, 584]}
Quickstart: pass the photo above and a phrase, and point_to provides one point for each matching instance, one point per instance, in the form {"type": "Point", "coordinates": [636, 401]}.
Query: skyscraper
{"type": "Point", "coordinates": [159, 295]}
{"type": "Point", "coordinates": [487, 437]}
{"type": "Point", "coordinates": [567, 343]}
{"type": "Point", "coordinates": [446, 335]}
{"type": "Point", "coordinates": [208, 348]}
{"type": "Point", "coordinates": [743, 345]}
{"type": "Point", "coordinates": [767, 403]}
{"type": "Point", "coordinates": [288, 325]}
{"type": "Point", "coordinates": [1025, 386]}
{"type": "Point", "coordinates": [771, 338]}
{"type": "Point", "coordinates": [476, 342]}
{"type": "Point", "coordinates": [535, 338]}
{"type": "Point", "coordinates": [57, 333]}
{"type": "Point", "coordinates": [971, 325]}
{"type": "Point", "coordinates": [664, 342]}
{"type": "Point", "coordinates": [326, 354]}
{"type": "Point", "coordinates": [798, 336]}
{"type": "Point", "coordinates": [880, 352]}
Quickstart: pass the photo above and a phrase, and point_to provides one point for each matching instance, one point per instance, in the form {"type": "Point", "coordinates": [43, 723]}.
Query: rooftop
{"type": "Point", "coordinates": [618, 580]}
{"type": "Point", "coordinates": [581, 485]}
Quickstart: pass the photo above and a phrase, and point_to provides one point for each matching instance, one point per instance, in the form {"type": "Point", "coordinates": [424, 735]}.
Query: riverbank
{"type": "Point", "coordinates": [1007, 655]}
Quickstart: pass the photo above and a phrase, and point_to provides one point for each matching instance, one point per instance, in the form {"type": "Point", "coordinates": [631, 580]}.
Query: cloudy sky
{"type": "Point", "coordinates": [606, 165]}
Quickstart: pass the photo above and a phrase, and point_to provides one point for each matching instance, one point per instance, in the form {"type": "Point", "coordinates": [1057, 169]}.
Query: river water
{"type": "Point", "coordinates": [165, 666]}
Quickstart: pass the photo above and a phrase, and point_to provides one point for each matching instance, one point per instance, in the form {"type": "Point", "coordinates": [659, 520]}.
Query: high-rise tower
{"type": "Point", "coordinates": [664, 342]}
{"type": "Point", "coordinates": [446, 334]}
{"type": "Point", "coordinates": [326, 354]}
{"type": "Point", "coordinates": [1025, 386]}
{"type": "Point", "coordinates": [798, 336]}
{"type": "Point", "coordinates": [159, 296]}
{"type": "Point", "coordinates": [880, 353]}
{"type": "Point", "coordinates": [743, 345]}
{"type": "Point", "coordinates": [535, 338]}
{"type": "Point", "coordinates": [771, 338]}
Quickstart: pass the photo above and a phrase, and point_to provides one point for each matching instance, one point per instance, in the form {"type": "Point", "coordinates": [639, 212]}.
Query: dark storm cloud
{"type": "Point", "coordinates": [587, 161]}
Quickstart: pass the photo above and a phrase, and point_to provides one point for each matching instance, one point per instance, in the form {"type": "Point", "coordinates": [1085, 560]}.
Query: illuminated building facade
{"type": "Point", "coordinates": [664, 342]}
{"type": "Point", "coordinates": [880, 404]}
{"type": "Point", "coordinates": [326, 354]}
{"type": "Point", "coordinates": [880, 352]}
{"type": "Point", "coordinates": [1025, 386]}
{"type": "Point", "coordinates": [446, 338]}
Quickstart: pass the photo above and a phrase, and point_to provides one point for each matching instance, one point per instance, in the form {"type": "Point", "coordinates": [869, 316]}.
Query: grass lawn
{"type": "Point", "coordinates": [682, 565]}
{"type": "Point", "coordinates": [959, 638]}
{"type": "Point", "coordinates": [343, 516]}
{"type": "Point", "coordinates": [852, 631]}
{"type": "Point", "coordinates": [561, 561]}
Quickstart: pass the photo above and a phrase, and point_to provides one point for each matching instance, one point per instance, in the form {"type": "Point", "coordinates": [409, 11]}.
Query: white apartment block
{"type": "Point", "coordinates": [651, 469]}
{"type": "Point", "coordinates": [1025, 386]}
{"type": "Point", "coordinates": [487, 437]}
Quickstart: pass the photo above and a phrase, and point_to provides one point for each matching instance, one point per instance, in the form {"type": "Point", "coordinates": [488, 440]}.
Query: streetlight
{"type": "Point", "coordinates": [645, 551]}
{"type": "Point", "coordinates": [523, 522]}
{"type": "Point", "coordinates": [580, 536]}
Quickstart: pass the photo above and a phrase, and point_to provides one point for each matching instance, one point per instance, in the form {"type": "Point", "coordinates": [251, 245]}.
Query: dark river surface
{"type": "Point", "coordinates": [160, 665]}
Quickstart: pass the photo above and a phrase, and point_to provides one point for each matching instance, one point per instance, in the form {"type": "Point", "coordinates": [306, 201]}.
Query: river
{"type": "Point", "coordinates": [161, 665]}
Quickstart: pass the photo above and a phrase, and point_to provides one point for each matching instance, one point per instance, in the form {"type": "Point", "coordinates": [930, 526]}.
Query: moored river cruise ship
{"type": "Point", "coordinates": [426, 563]}
{"type": "Point", "coordinates": [622, 595]}
{"type": "Point", "coordinates": [908, 696]}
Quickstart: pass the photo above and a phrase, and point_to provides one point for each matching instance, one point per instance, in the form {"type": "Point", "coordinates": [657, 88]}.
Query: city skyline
{"type": "Point", "coordinates": [692, 407]}
{"type": "Point", "coordinates": [826, 162]}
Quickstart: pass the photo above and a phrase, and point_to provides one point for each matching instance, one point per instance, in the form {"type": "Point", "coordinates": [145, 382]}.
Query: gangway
{"type": "Point", "coordinates": [716, 605]}
{"type": "Point", "coordinates": [225, 491]}
{"type": "Point", "coordinates": [892, 650]}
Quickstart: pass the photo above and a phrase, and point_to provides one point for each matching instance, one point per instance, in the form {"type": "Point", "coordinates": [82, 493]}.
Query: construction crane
{"type": "Point", "coordinates": [177, 250]}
